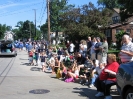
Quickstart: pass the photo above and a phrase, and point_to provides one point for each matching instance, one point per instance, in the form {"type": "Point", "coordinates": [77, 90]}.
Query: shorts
{"type": "Point", "coordinates": [43, 63]}
{"type": "Point", "coordinates": [104, 60]}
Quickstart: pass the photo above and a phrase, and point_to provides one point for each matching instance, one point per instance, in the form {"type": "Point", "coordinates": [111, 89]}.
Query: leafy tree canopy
{"type": "Point", "coordinates": [126, 8]}
{"type": "Point", "coordinates": [109, 3]}
{"type": "Point", "coordinates": [3, 29]}
{"type": "Point", "coordinates": [84, 21]}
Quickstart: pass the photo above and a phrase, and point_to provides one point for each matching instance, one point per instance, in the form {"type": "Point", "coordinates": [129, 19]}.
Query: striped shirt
{"type": "Point", "coordinates": [129, 48]}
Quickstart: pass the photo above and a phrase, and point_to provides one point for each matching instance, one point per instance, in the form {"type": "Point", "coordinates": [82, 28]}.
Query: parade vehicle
{"type": "Point", "coordinates": [7, 47]}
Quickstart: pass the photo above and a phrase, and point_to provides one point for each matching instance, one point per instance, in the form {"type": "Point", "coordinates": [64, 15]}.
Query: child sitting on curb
{"type": "Point", "coordinates": [73, 74]}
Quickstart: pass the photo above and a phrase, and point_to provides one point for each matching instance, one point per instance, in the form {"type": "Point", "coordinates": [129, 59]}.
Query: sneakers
{"type": "Point", "coordinates": [81, 82]}
{"type": "Point", "coordinates": [108, 97]}
{"type": "Point", "coordinates": [99, 94]}
{"type": "Point", "coordinates": [91, 85]}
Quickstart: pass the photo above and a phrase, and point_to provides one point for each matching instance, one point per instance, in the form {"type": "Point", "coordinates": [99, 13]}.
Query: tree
{"type": "Point", "coordinates": [3, 29]}
{"type": "Point", "coordinates": [44, 30]}
{"type": "Point", "coordinates": [108, 3]}
{"type": "Point", "coordinates": [56, 9]}
{"type": "Point", "coordinates": [118, 37]}
{"type": "Point", "coordinates": [126, 8]}
{"type": "Point", "coordinates": [84, 21]}
{"type": "Point", "coordinates": [25, 29]}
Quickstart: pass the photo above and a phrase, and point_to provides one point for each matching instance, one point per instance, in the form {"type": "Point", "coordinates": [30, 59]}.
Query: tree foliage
{"type": "Point", "coordinates": [25, 30]}
{"type": "Point", "coordinates": [126, 8]}
{"type": "Point", "coordinates": [3, 29]}
{"type": "Point", "coordinates": [56, 9]}
{"type": "Point", "coordinates": [109, 3]}
{"type": "Point", "coordinates": [118, 37]}
{"type": "Point", "coordinates": [84, 21]}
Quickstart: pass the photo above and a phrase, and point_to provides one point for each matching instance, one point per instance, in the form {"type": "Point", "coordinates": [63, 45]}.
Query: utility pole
{"type": "Point", "coordinates": [48, 16]}
{"type": "Point", "coordinates": [35, 21]}
{"type": "Point", "coordinates": [30, 30]}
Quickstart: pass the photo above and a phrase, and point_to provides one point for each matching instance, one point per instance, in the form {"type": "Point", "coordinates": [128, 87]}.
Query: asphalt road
{"type": "Point", "coordinates": [20, 81]}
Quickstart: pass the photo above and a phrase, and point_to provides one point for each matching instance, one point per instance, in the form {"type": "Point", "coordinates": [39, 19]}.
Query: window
{"type": "Point", "coordinates": [115, 19]}
{"type": "Point", "coordinates": [108, 33]}
{"type": "Point", "coordinates": [128, 31]}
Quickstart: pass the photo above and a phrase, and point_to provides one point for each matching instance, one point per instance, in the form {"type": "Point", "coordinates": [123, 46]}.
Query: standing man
{"type": "Point", "coordinates": [76, 49]}
{"type": "Point", "coordinates": [89, 44]}
{"type": "Point", "coordinates": [29, 47]}
{"type": "Point", "coordinates": [104, 51]}
{"type": "Point", "coordinates": [126, 53]}
{"type": "Point", "coordinates": [71, 48]}
{"type": "Point", "coordinates": [97, 46]}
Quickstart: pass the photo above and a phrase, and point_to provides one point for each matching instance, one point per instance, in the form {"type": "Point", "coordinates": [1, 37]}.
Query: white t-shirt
{"type": "Point", "coordinates": [76, 72]}
{"type": "Point", "coordinates": [72, 47]}
{"type": "Point", "coordinates": [84, 47]}
{"type": "Point", "coordinates": [98, 70]}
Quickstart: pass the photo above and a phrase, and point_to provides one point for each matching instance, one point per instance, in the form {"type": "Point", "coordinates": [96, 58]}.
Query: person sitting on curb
{"type": "Point", "coordinates": [85, 77]}
{"type": "Point", "coordinates": [80, 60]}
{"type": "Point", "coordinates": [63, 71]}
{"type": "Point", "coordinates": [73, 73]}
{"type": "Point", "coordinates": [95, 73]}
{"type": "Point", "coordinates": [107, 77]}
{"type": "Point", "coordinates": [56, 66]}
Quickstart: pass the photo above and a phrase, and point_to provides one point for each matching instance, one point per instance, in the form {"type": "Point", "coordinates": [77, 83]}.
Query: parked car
{"type": "Point", "coordinates": [7, 48]}
{"type": "Point", "coordinates": [125, 80]}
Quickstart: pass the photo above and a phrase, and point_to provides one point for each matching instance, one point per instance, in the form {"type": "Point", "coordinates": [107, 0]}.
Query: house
{"type": "Point", "coordinates": [115, 26]}
{"type": "Point", "coordinates": [8, 35]}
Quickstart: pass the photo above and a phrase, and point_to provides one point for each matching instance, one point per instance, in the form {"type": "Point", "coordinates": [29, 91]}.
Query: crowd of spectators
{"type": "Point", "coordinates": [87, 61]}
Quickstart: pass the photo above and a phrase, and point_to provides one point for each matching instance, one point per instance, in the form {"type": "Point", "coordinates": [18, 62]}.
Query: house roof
{"type": "Point", "coordinates": [116, 10]}
{"type": "Point", "coordinates": [128, 20]}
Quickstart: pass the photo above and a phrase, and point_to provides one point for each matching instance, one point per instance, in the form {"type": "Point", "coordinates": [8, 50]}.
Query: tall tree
{"type": "Point", "coordinates": [126, 8]}
{"type": "Point", "coordinates": [44, 30]}
{"type": "Point", "coordinates": [83, 21]}
{"type": "Point", "coordinates": [108, 3]}
{"type": "Point", "coordinates": [56, 9]}
{"type": "Point", "coordinates": [25, 30]}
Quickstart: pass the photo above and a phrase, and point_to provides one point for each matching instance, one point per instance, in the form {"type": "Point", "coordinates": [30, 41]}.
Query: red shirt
{"type": "Point", "coordinates": [113, 67]}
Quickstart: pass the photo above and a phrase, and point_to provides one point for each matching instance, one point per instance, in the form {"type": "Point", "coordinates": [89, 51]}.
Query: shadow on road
{"type": "Point", "coordinates": [80, 92]}
{"type": "Point", "coordinates": [91, 93]}
{"type": "Point", "coordinates": [26, 64]}
{"type": "Point", "coordinates": [35, 69]}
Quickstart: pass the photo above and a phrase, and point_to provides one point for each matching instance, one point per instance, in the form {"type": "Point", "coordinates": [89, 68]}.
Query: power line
{"type": "Point", "coordinates": [41, 11]}
{"type": "Point", "coordinates": [9, 3]}
{"type": "Point", "coordinates": [42, 15]}
{"type": "Point", "coordinates": [15, 13]}
{"type": "Point", "coordinates": [19, 10]}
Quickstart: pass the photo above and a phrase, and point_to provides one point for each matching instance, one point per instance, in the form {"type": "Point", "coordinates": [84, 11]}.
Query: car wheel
{"type": "Point", "coordinates": [129, 94]}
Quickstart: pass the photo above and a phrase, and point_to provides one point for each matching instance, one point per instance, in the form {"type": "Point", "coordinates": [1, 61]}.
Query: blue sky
{"type": "Point", "coordinates": [13, 11]}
